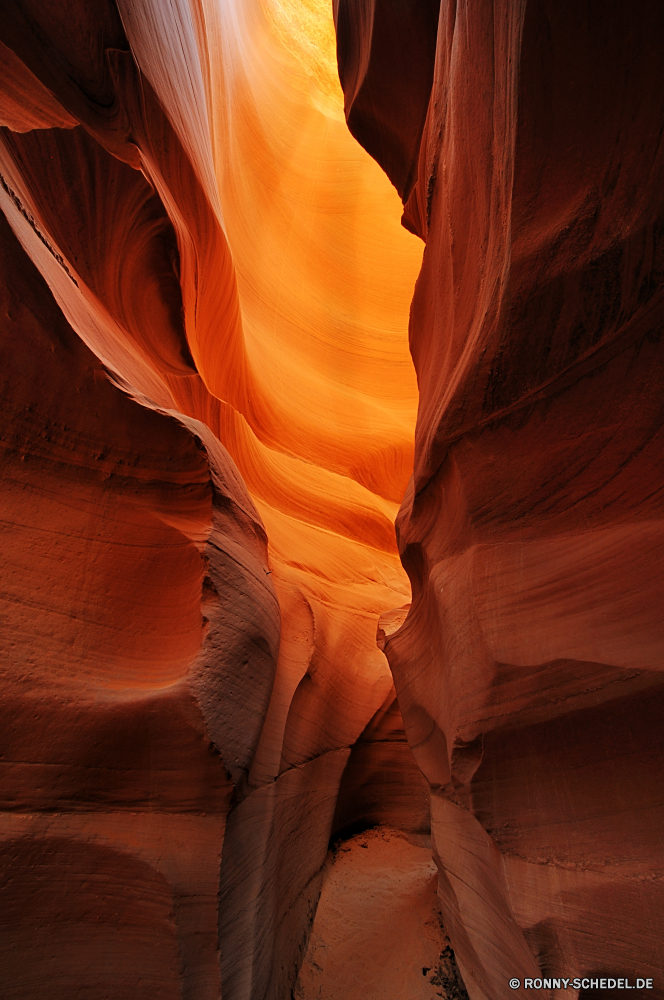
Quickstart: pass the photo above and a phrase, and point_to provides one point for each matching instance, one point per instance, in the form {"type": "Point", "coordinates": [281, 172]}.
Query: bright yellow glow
{"type": "Point", "coordinates": [297, 311]}
{"type": "Point", "coordinates": [306, 29]}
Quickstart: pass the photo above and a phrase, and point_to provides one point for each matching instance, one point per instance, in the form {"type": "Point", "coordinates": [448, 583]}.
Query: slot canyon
{"type": "Point", "coordinates": [332, 494]}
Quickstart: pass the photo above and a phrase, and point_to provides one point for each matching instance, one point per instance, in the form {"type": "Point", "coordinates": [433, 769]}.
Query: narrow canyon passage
{"type": "Point", "coordinates": [331, 499]}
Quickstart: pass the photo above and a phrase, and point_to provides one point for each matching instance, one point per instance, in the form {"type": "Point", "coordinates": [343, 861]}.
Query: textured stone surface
{"type": "Point", "coordinates": [114, 794]}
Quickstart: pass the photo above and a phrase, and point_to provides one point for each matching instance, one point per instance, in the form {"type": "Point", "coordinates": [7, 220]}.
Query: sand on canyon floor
{"type": "Point", "coordinates": [377, 933]}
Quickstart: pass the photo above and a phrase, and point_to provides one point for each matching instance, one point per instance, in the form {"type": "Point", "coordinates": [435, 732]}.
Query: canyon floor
{"type": "Point", "coordinates": [377, 934]}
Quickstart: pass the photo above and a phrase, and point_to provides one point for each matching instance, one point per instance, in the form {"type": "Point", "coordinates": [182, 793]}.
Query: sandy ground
{"type": "Point", "coordinates": [377, 933]}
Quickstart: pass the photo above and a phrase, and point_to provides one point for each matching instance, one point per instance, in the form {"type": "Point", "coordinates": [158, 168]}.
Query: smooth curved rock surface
{"type": "Point", "coordinates": [528, 669]}
{"type": "Point", "coordinates": [113, 515]}
{"type": "Point", "coordinates": [386, 55]}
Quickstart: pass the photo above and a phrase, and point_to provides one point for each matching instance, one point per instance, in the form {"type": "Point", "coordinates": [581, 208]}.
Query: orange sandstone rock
{"type": "Point", "coordinates": [113, 515]}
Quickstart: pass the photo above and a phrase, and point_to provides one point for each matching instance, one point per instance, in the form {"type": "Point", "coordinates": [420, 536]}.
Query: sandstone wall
{"type": "Point", "coordinates": [529, 667]}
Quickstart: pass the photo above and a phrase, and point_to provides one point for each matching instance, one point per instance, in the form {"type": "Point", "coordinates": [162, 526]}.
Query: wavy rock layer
{"type": "Point", "coordinates": [528, 669]}
{"type": "Point", "coordinates": [113, 516]}
{"type": "Point", "coordinates": [205, 292]}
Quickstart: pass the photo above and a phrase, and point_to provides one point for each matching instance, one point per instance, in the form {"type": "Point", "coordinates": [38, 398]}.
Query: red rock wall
{"type": "Point", "coordinates": [114, 793]}
{"type": "Point", "coordinates": [528, 670]}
